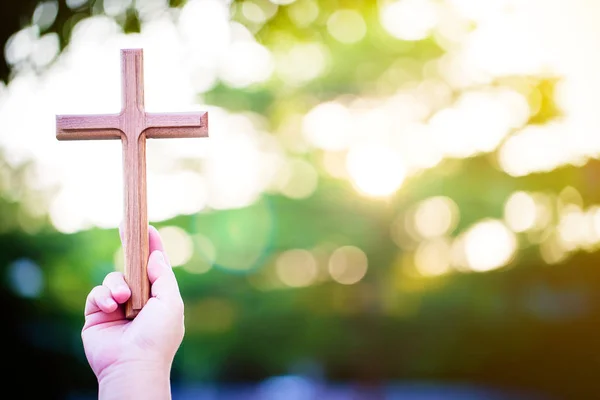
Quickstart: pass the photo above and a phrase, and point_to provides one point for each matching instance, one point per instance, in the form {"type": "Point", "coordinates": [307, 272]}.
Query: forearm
{"type": "Point", "coordinates": [140, 381]}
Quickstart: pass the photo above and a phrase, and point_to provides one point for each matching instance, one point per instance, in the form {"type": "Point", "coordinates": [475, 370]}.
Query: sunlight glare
{"type": "Point", "coordinates": [178, 244]}
{"type": "Point", "coordinates": [346, 26]}
{"type": "Point", "coordinates": [302, 63]}
{"type": "Point", "coordinates": [536, 148]}
{"type": "Point", "coordinates": [204, 255]}
{"type": "Point", "coordinates": [327, 126]}
{"type": "Point", "coordinates": [520, 211]}
{"type": "Point", "coordinates": [303, 13]}
{"type": "Point", "coordinates": [348, 265]}
{"type": "Point", "coordinates": [433, 257]}
{"type": "Point", "coordinates": [489, 245]}
{"type": "Point", "coordinates": [409, 19]}
{"type": "Point", "coordinates": [296, 268]}
{"type": "Point", "coordinates": [246, 63]}
{"type": "Point", "coordinates": [376, 170]}
{"type": "Point", "coordinates": [436, 216]}
{"type": "Point", "coordinates": [298, 179]}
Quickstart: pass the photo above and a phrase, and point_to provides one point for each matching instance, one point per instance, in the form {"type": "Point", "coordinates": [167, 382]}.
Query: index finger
{"type": "Point", "coordinates": [154, 241]}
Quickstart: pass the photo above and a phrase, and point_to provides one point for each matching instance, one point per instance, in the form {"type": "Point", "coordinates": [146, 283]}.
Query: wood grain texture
{"type": "Point", "coordinates": [133, 125]}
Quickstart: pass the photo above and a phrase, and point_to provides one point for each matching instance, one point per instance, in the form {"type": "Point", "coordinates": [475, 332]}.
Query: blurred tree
{"type": "Point", "coordinates": [526, 326]}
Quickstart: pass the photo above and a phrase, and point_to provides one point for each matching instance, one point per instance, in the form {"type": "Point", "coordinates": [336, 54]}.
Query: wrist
{"type": "Point", "coordinates": [133, 380]}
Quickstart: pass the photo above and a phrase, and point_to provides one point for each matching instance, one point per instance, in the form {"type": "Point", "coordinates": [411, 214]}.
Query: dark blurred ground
{"type": "Point", "coordinates": [528, 331]}
{"type": "Point", "coordinates": [297, 388]}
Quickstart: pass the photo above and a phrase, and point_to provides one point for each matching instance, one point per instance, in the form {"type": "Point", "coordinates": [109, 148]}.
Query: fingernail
{"type": "Point", "coordinates": [109, 302]}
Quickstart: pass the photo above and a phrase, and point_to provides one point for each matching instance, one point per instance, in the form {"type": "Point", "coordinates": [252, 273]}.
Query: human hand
{"type": "Point", "coordinates": [135, 356]}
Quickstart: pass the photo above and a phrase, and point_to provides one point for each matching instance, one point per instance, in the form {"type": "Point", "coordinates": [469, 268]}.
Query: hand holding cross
{"type": "Point", "coordinates": [133, 125]}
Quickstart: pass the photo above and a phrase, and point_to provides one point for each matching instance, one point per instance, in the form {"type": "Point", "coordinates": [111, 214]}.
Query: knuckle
{"type": "Point", "coordinates": [95, 291]}
{"type": "Point", "coordinates": [112, 277]}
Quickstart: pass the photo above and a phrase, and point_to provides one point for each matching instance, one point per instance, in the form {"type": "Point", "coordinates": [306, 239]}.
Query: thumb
{"type": "Point", "coordinates": [163, 281]}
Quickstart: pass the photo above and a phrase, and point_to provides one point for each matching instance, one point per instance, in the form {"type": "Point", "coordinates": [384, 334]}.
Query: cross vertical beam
{"type": "Point", "coordinates": [133, 125]}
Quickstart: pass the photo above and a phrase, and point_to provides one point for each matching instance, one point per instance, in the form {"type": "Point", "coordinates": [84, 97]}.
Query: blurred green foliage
{"type": "Point", "coordinates": [529, 325]}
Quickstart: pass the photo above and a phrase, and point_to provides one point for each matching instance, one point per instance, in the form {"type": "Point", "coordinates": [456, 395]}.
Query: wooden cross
{"type": "Point", "coordinates": [133, 125]}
